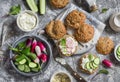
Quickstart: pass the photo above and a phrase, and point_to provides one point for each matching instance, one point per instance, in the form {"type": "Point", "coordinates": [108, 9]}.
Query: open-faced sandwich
{"type": "Point", "coordinates": [67, 45]}
{"type": "Point", "coordinates": [89, 63]}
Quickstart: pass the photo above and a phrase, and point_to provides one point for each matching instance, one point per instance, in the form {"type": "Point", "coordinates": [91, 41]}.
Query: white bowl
{"type": "Point", "coordinates": [113, 20]}
{"type": "Point", "coordinates": [115, 50]}
{"type": "Point", "coordinates": [31, 13]}
{"type": "Point", "coordinates": [71, 80]}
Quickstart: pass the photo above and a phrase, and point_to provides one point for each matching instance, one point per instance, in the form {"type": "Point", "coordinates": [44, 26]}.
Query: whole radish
{"type": "Point", "coordinates": [34, 44]}
{"type": "Point", "coordinates": [42, 47]}
{"type": "Point", "coordinates": [29, 42]}
{"type": "Point", "coordinates": [43, 58]}
{"type": "Point", "coordinates": [38, 51]}
{"type": "Point", "coordinates": [107, 63]}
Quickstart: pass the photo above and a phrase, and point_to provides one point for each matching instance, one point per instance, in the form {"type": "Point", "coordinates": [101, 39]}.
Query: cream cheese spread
{"type": "Point", "coordinates": [27, 21]}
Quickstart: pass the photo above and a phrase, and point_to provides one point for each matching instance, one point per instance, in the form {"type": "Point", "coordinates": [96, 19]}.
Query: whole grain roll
{"type": "Point", "coordinates": [104, 45]}
{"type": "Point", "coordinates": [84, 33]}
{"type": "Point", "coordinates": [55, 29]}
{"type": "Point", "coordinates": [74, 19]}
{"type": "Point", "coordinates": [59, 3]}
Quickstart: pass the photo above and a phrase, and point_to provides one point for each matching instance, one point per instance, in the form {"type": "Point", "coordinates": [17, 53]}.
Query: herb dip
{"type": "Point", "coordinates": [61, 77]}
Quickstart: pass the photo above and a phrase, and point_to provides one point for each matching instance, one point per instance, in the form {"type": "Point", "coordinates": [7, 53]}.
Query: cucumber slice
{"type": "Point", "coordinates": [32, 65]}
{"type": "Point", "coordinates": [96, 61]}
{"type": "Point", "coordinates": [34, 69]}
{"type": "Point", "coordinates": [42, 4]}
{"type": "Point", "coordinates": [118, 53]}
{"type": "Point", "coordinates": [37, 68]}
{"type": "Point", "coordinates": [91, 57]}
{"type": "Point", "coordinates": [19, 58]}
{"type": "Point", "coordinates": [118, 49]}
{"type": "Point", "coordinates": [16, 63]}
{"type": "Point", "coordinates": [91, 65]}
{"type": "Point", "coordinates": [27, 69]}
{"type": "Point", "coordinates": [87, 65]}
{"type": "Point", "coordinates": [94, 65]}
{"type": "Point", "coordinates": [21, 67]}
{"type": "Point", "coordinates": [32, 5]}
{"type": "Point", "coordinates": [23, 61]}
{"type": "Point", "coordinates": [118, 56]}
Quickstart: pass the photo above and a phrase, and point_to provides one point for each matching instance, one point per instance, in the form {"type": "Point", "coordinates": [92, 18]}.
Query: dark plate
{"type": "Point", "coordinates": [43, 66]}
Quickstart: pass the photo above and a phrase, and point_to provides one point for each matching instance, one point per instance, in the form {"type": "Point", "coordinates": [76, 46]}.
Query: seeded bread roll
{"type": "Point", "coordinates": [74, 19]}
{"type": "Point", "coordinates": [104, 45]}
{"type": "Point", "coordinates": [69, 44]}
{"type": "Point", "coordinates": [84, 33]}
{"type": "Point", "coordinates": [59, 3]}
{"type": "Point", "coordinates": [55, 29]}
{"type": "Point", "coordinates": [85, 70]}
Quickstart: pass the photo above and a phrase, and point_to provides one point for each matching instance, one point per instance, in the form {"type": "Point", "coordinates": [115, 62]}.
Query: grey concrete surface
{"type": "Point", "coordinates": [8, 74]}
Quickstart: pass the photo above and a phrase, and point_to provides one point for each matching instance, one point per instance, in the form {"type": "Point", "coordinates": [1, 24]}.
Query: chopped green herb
{"type": "Point", "coordinates": [104, 10]}
{"type": "Point", "coordinates": [90, 56]}
{"type": "Point", "coordinates": [103, 71]}
{"type": "Point", "coordinates": [63, 42]}
{"type": "Point", "coordinates": [14, 10]}
{"type": "Point", "coordinates": [21, 45]}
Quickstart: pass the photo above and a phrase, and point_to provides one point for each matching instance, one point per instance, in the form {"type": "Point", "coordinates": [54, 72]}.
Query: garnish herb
{"type": "Point", "coordinates": [103, 71]}
{"type": "Point", "coordinates": [14, 10]}
{"type": "Point", "coordinates": [104, 10]}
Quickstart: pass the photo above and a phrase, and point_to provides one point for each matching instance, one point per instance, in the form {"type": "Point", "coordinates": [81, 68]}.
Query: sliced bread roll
{"type": "Point", "coordinates": [89, 63]}
{"type": "Point", "coordinates": [67, 46]}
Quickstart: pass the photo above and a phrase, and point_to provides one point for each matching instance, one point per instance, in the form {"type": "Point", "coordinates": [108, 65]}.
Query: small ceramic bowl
{"type": "Point", "coordinates": [115, 52]}
{"type": "Point", "coordinates": [32, 17]}
{"type": "Point", "coordinates": [44, 66]}
{"type": "Point", "coordinates": [115, 22]}
{"type": "Point", "coordinates": [61, 72]}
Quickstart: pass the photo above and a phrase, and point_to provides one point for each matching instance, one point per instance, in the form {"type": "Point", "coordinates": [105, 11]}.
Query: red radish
{"type": "Point", "coordinates": [37, 60]}
{"type": "Point", "coordinates": [34, 44]}
{"type": "Point", "coordinates": [29, 42]}
{"type": "Point", "coordinates": [42, 47]}
{"type": "Point", "coordinates": [38, 51]}
{"type": "Point", "coordinates": [107, 63]}
{"type": "Point", "coordinates": [43, 58]}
